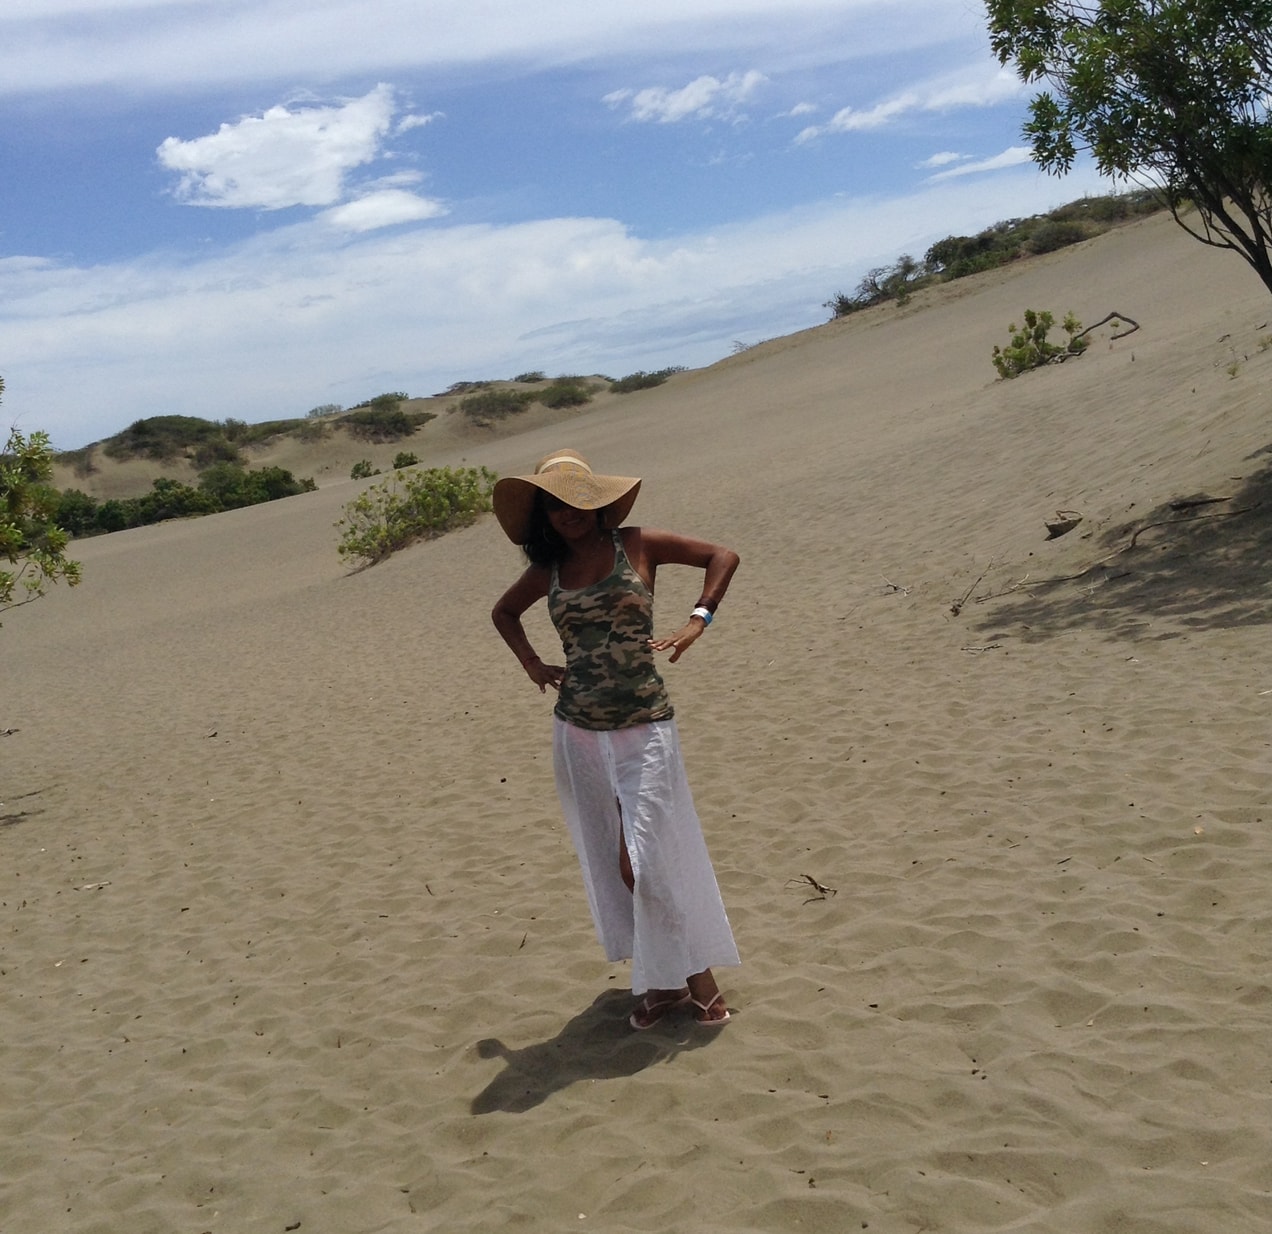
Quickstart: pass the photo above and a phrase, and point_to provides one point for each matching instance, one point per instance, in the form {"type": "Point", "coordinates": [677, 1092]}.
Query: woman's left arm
{"type": "Point", "coordinates": [717, 563]}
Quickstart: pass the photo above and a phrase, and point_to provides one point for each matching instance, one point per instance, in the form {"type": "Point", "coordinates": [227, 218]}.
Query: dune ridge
{"type": "Point", "coordinates": [294, 938]}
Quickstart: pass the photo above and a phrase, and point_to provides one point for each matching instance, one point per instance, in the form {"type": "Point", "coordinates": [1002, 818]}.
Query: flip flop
{"type": "Point", "coordinates": [716, 1022]}
{"type": "Point", "coordinates": [652, 1012]}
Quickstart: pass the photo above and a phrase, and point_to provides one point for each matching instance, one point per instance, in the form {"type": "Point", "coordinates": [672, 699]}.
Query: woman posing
{"type": "Point", "coordinates": [616, 752]}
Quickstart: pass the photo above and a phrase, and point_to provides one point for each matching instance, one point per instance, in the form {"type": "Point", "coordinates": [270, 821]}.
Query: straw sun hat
{"type": "Point", "coordinates": [564, 474]}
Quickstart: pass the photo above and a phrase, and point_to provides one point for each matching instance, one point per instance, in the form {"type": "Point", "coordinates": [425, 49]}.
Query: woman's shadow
{"type": "Point", "coordinates": [596, 1044]}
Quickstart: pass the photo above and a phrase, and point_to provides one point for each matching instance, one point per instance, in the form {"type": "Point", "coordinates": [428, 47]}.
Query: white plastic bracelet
{"type": "Point", "coordinates": [704, 613]}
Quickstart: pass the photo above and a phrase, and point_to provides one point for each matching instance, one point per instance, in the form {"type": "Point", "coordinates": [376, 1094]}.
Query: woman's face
{"type": "Point", "coordinates": [571, 524]}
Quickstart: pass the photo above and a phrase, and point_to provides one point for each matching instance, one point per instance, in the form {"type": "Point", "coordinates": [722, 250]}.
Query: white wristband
{"type": "Point", "coordinates": [705, 613]}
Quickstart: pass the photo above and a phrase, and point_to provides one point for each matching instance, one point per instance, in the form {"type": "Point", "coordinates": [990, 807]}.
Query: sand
{"type": "Point", "coordinates": [293, 938]}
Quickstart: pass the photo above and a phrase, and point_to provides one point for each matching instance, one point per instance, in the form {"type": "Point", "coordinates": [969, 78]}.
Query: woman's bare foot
{"type": "Point", "coordinates": [708, 1002]}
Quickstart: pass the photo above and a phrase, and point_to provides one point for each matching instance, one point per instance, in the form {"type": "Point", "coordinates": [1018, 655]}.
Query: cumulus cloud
{"type": "Point", "coordinates": [297, 156]}
{"type": "Point", "coordinates": [703, 98]}
{"type": "Point", "coordinates": [977, 88]}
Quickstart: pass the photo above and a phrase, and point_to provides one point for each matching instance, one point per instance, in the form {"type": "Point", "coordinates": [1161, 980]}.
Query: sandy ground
{"type": "Point", "coordinates": [293, 938]}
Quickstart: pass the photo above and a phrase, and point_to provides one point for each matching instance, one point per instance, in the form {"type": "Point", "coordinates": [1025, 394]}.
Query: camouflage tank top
{"type": "Point", "coordinates": [610, 677]}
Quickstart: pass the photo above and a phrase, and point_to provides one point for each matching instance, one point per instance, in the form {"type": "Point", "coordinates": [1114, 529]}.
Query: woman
{"type": "Point", "coordinates": [619, 773]}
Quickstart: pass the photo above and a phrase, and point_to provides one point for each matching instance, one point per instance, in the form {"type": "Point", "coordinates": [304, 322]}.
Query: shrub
{"type": "Point", "coordinates": [30, 540]}
{"type": "Point", "coordinates": [487, 406]}
{"type": "Point", "coordinates": [232, 487]}
{"type": "Point", "coordinates": [1030, 347]}
{"type": "Point", "coordinates": [162, 438]}
{"type": "Point", "coordinates": [76, 513]}
{"type": "Point", "coordinates": [323, 409]}
{"type": "Point", "coordinates": [641, 380]}
{"type": "Point", "coordinates": [383, 423]}
{"type": "Point", "coordinates": [403, 459]}
{"type": "Point", "coordinates": [406, 508]}
{"type": "Point", "coordinates": [564, 392]}
{"type": "Point", "coordinates": [214, 452]}
{"type": "Point", "coordinates": [529, 378]}
{"type": "Point", "coordinates": [363, 470]}
{"type": "Point", "coordinates": [1057, 234]}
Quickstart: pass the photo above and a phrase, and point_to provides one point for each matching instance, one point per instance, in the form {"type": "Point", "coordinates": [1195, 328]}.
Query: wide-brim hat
{"type": "Point", "coordinates": [566, 475]}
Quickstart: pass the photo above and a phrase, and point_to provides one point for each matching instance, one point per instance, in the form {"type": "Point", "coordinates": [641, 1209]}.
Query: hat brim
{"type": "Point", "coordinates": [513, 497]}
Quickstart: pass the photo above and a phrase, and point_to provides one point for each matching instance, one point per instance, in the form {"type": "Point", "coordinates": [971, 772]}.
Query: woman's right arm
{"type": "Point", "coordinates": [528, 590]}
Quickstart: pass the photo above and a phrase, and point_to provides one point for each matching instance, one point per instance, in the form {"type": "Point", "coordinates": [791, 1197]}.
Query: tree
{"type": "Point", "coordinates": [1173, 94]}
{"type": "Point", "coordinates": [29, 539]}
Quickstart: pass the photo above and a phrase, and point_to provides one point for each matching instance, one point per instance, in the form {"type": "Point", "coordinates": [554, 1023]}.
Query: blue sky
{"type": "Point", "coordinates": [249, 208]}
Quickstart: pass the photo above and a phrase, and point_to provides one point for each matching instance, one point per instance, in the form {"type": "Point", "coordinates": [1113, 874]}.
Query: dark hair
{"type": "Point", "coordinates": [543, 547]}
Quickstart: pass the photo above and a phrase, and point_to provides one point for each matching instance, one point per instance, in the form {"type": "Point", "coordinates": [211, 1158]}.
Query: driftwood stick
{"type": "Point", "coordinates": [1111, 317]}
{"type": "Point", "coordinates": [957, 606]}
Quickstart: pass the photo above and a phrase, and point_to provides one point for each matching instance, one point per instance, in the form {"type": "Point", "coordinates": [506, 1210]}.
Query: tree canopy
{"type": "Point", "coordinates": [1173, 94]}
{"type": "Point", "coordinates": [30, 542]}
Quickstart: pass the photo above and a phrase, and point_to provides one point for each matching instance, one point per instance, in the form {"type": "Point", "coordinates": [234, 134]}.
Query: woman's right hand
{"type": "Point", "coordinates": [544, 675]}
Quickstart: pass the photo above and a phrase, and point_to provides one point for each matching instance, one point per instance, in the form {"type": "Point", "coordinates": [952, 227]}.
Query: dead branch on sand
{"type": "Point", "coordinates": [1126, 548]}
{"type": "Point", "coordinates": [957, 606]}
{"type": "Point", "coordinates": [1119, 317]}
{"type": "Point", "coordinates": [822, 891]}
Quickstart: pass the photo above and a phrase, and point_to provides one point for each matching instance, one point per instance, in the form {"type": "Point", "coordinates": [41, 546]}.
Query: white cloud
{"type": "Point", "coordinates": [143, 45]}
{"type": "Point", "coordinates": [414, 122]}
{"type": "Point", "coordinates": [1013, 156]}
{"type": "Point", "coordinates": [978, 87]}
{"type": "Point", "coordinates": [942, 158]}
{"type": "Point", "coordinates": [290, 319]}
{"type": "Point", "coordinates": [703, 98]}
{"type": "Point", "coordinates": [284, 157]}
{"type": "Point", "coordinates": [382, 209]}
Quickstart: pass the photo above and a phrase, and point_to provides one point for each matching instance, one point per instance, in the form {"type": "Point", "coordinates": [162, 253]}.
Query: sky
{"type": "Point", "coordinates": [251, 208]}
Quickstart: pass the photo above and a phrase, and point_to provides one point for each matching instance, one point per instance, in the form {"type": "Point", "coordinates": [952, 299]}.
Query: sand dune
{"type": "Point", "coordinates": [294, 938]}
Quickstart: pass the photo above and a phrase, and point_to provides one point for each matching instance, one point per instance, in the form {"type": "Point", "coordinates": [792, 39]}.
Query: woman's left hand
{"type": "Point", "coordinates": [681, 641]}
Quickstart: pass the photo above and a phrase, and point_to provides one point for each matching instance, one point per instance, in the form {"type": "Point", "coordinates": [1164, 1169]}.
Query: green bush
{"type": "Point", "coordinates": [232, 487]}
{"type": "Point", "coordinates": [215, 452]}
{"type": "Point", "coordinates": [404, 459]}
{"type": "Point", "coordinates": [363, 470]}
{"type": "Point", "coordinates": [32, 545]}
{"type": "Point", "coordinates": [162, 438]}
{"type": "Point", "coordinates": [387, 423]}
{"type": "Point", "coordinates": [564, 392]}
{"type": "Point", "coordinates": [409, 507]}
{"type": "Point", "coordinates": [486, 406]}
{"type": "Point", "coordinates": [641, 380]}
{"type": "Point", "coordinates": [529, 378]}
{"type": "Point", "coordinates": [1055, 234]}
{"type": "Point", "coordinates": [1030, 347]}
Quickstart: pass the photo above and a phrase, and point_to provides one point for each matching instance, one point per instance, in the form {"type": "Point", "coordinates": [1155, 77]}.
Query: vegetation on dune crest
{"type": "Point", "coordinates": [957, 257]}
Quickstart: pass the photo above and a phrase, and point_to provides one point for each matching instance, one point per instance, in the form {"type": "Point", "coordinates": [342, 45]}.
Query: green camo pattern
{"type": "Point", "coordinates": [611, 680]}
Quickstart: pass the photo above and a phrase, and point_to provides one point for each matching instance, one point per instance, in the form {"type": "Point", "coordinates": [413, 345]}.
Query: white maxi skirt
{"type": "Point", "coordinates": [628, 786]}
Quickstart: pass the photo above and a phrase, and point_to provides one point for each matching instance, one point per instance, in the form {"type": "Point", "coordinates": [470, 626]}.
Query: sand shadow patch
{"type": "Point", "coordinates": [596, 1044]}
{"type": "Point", "coordinates": [1195, 562]}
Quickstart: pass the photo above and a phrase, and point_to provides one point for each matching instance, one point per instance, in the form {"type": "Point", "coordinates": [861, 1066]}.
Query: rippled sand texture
{"type": "Point", "coordinates": [293, 937]}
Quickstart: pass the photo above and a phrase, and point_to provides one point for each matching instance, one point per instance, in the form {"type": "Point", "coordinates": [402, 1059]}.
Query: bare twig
{"type": "Point", "coordinates": [957, 606]}
{"type": "Point", "coordinates": [905, 591]}
{"type": "Point", "coordinates": [822, 891]}
{"type": "Point", "coordinates": [1111, 317]}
